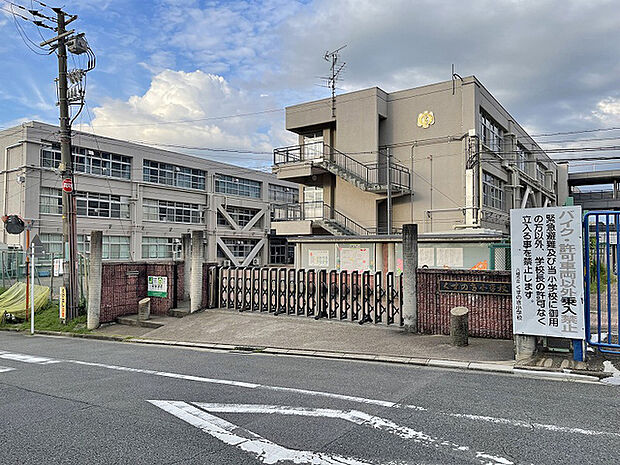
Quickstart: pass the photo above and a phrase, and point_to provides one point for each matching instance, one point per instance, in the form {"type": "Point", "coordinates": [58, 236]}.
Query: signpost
{"type": "Point", "coordinates": [547, 273]}
{"type": "Point", "coordinates": [62, 303]}
{"type": "Point", "coordinates": [157, 286]}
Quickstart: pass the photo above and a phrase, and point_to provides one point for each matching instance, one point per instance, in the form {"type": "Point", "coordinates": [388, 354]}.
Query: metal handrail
{"type": "Point", "coordinates": [373, 174]}
{"type": "Point", "coordinates": [317, 211]}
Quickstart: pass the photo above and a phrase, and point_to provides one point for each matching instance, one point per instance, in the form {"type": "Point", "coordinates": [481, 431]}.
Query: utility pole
{"type": "Point", "coordinates": [389, 190]}
{"type": "Point", "coordinates": [69, 236]}
{"type": "Point", "coordinates": [68, 95]}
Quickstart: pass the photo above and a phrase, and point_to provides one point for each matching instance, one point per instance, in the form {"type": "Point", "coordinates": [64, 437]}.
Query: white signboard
{"type": "Point", "coordinates": [354, 258]}
{"type": "Point", "coordinates": [318, 258]}
{"type": "Point", "coordinates": [58, 266]}
{"type": "Point", "coordinates": [547, 272]}
{"type": "Point", "coordinates": [450, 257]}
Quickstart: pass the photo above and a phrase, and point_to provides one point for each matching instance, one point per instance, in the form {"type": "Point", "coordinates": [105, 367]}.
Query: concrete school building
{"type": "Point", "coordinates": [458, 162]}
{"type": "Point", "coordinates": [144, 199]}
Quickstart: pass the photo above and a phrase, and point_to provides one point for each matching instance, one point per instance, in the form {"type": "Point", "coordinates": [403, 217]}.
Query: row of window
{"type": "Point", "coordinates": [118, 248]}
{"type": "Point", "coordinates": [119, 166]}
{"type": "Point", "coordinates": [93, 204]}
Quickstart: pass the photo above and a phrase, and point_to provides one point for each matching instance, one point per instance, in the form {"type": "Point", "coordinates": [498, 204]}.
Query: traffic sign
{"type": "Point", "coordinates": [39, 247]}
{"type": "Point", "coordinates": [67, 185]}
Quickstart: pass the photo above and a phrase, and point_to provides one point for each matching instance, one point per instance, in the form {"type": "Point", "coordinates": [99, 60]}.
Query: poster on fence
{"type": "Point", "coordinates": [157, 286]}
{"type": "Point", "coordinates": [547, 272]}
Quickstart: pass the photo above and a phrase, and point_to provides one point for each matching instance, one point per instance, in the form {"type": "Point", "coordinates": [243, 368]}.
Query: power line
{"type": "Point", "coordinates": [582, 131]}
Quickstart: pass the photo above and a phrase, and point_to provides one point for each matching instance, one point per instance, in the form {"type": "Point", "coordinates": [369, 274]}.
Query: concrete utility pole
{"type": "Point", "coordinates": [69, 233]}
{"type": "Point", "coordinates": [410, 277]}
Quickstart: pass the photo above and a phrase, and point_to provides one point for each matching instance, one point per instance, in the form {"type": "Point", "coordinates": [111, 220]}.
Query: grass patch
{"type": "Point", "coordinates": [47, 319]}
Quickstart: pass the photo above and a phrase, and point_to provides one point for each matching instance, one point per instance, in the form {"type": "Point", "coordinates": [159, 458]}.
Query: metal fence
{"type": "Point", "coordinates": [362, 297]}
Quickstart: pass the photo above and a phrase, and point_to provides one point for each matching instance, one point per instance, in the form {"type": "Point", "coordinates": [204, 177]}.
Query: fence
{"type": "Point", "coordinates": [366, 297]}
{"type": "Point", "coordinates": [363, 297]}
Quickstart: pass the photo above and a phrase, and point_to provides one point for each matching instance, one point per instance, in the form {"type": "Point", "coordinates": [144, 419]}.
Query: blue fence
{"type": "Point", "coordinates": [601, 238]}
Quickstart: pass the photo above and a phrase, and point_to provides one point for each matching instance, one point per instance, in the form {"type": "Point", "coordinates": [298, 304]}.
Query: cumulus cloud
{"type": "Point", "coordinates": [157, 116]}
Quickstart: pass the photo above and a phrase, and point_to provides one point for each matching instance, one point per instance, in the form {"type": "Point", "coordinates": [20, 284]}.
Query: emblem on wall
{"type": "Point", "coordinates": [426, 119]}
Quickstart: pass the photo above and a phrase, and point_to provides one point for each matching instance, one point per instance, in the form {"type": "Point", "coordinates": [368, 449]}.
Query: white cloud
{"type": "Point", "coordinates": [179, 96]}
{"type": "Point", "coordinates": [608, 111]}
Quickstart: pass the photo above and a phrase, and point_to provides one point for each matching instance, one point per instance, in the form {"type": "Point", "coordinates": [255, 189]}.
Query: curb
{"type": "Point", "coordinates": [489, 367]}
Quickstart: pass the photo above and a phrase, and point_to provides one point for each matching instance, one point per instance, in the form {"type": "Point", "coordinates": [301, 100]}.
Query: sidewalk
{"type": "Point", "coordinates": [231, 328]}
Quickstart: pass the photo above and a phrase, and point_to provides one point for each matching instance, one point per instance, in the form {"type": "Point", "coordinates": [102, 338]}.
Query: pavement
{"type": "Point", "coordinates": [292, 332]}
{"type": "Point", "coordinates": [75, 401]}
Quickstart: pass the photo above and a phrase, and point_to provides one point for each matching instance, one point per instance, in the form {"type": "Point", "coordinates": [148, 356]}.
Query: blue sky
{"type": "Point", "coordinates": [553, 64]}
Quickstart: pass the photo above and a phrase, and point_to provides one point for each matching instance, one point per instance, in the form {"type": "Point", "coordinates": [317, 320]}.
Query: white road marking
{"type": "Point", "coordinates": [5, 369]}
{"type": "Point", "coordinates": [242, 384]}
{"type": "Point", "coordinates": [540, 426]}
{"type": "Point", "coordinates": [357, 417]}
{"type": "Point", "coordinates": [27, 358]}
{"type": "Point", "coordinates": [248, 441]}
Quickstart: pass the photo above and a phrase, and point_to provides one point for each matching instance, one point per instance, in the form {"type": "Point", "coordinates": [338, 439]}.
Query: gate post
{"type": "Point", "coordinates": [410, 267]}
{"type": "Point", "coordinates": [186, 240]}
{"type": "Point", "coordinates": [195, 298]}
{"type": "Point", "coordinates": [94, 277]}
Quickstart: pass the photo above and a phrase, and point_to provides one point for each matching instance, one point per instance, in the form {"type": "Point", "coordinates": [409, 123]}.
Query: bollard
{"type": "Point", "coordinates": [459, 326]}
{"type": "Point", "coordinates": [144, 309]}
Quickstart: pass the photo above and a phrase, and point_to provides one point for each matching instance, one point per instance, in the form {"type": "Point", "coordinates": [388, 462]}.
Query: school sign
{"type": "Point", "coordinates": [547, 272]}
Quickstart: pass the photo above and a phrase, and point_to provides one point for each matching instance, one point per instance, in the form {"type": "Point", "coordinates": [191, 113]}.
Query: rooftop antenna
{"type": "Point", "coordinates": [455, 76]}
{"type": "Point", "coordinates": [335, 70]}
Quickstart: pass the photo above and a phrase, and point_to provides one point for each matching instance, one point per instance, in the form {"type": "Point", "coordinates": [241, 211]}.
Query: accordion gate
{"type": "Point", "coordinates": [363, 297]}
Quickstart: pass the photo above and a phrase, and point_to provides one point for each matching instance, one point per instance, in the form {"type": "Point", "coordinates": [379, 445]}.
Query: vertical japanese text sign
{"type": "Point", "coordinates": [547, 272]}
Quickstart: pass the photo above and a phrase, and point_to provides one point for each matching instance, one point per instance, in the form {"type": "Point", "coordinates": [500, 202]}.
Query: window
{"type": "Point", "coordinates": [540, 174]}
{"type": "Point", "coordinates": [523, 157]}
{"type": "Point", "coordinates": [50, 158]}
{"type": "Point", "coordinates": [171, 212]}
{"type": "Point", "coordinates": [491, 133]}
{"type": "Point", "coordinates": [281, 252]}
{"type": "Point", "coordinates": [242, 216]}
{"type": "Point", "coordinates": [283, 194]}
{"type": "Point", "coordinates": [240, 248]}
{"type": "Point", "coordinates": [157, 247]}
{"type": "Point", "coordinates": [172, 175]}
{"type": "Point", "coordinates": [90, 161]}
{"type": "Point", "coordinates": [50, 201]}
{"type": "Point", "coordinates": [113, 247]}
{"type": "Point", "coordinates": [313, 203]}
{"type": "Point", "coordinates": [52, 243]}
{"type": "Point", "coordinates": [493, 192]}
{"type": "Point", "coordinates": [232, 185]}
{"type": "Point", "coordinates": [102, 205]}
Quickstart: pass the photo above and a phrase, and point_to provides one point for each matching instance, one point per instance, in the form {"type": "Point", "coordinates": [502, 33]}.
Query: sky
{"type": "Point", "coordinates": [554, 64]}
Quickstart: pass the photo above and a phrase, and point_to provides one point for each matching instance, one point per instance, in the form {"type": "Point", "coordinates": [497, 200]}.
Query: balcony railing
{"type": "Point", "coordinates": [374, 175]}
{"type": "Point", "coordinates": [317, 211]}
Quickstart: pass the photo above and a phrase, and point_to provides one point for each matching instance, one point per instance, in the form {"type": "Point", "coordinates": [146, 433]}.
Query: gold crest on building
{"type": "Point", "coordinates": [425, 119]}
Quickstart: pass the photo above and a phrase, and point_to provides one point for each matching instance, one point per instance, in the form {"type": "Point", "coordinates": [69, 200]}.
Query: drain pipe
{"type": "Point", "coordinates": [411, 181]}
{"type": "Point", "coordinates": [389, 191]}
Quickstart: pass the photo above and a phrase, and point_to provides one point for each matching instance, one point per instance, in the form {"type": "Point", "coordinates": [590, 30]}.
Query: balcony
{"type": "Point", "coordinates": [296, 163]}
{"type": "Point", "coordinates": [306, 217]}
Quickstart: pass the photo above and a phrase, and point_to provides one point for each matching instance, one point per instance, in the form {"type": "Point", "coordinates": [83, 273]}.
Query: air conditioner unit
{"type": "Point", "coordinates": [226, 262]}
{"type": "Point", "coordinates": [256, 261]}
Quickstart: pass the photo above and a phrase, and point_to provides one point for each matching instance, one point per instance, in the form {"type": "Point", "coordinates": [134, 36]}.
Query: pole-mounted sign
{"type": "Point", "coordinates": [67, 185]}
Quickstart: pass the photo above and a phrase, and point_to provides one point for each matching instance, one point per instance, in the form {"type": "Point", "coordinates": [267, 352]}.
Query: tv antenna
{"type": "Point", "coordinates": [335, 70]}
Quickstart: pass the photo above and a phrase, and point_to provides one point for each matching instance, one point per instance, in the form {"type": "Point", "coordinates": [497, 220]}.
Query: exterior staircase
{"type": "Point", "coordinates": [372, 177]}
{"type": "Point", "coordinates": [321, 215]}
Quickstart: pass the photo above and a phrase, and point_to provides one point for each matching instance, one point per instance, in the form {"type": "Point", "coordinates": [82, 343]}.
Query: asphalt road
{"type": "Point", "coordinates": [66, 400]}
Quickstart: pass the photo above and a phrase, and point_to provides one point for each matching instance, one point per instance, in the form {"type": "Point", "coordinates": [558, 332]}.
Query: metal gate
{"type": "Point", "coordinates": [601, 258]}
{"type": "Point", "coordinates": [362, 297]}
